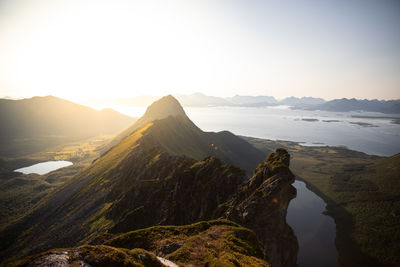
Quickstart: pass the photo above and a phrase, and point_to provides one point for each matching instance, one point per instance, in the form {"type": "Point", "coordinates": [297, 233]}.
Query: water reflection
{"type": "Point", "coordinates": [315, 231]}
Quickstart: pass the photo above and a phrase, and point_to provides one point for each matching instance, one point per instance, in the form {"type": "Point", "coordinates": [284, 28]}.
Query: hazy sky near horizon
{"type": "Point", "coordinates": [100, 49]}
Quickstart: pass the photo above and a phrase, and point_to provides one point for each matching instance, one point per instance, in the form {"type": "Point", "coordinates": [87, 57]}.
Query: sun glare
{"type": "Point", "coordinates": [111, 49]}
{"type": "Point", "coordinates": [86, 49]}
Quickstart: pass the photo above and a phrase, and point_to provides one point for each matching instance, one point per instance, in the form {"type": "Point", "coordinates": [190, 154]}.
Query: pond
{"type": "Point", "coordinates": [315, 231]}
{"type": "Point", "coordinates": [44, 167]}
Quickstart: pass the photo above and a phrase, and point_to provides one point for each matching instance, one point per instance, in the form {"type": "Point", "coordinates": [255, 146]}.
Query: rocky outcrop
{"type": "Point", "coordinates": [151, 187]}
{"type": "Point", "coordinates": [261, 205]}
{"type": "Point", "coordinates": [211, 243]}
{"type": "Point", "coordinates": [154, 177]}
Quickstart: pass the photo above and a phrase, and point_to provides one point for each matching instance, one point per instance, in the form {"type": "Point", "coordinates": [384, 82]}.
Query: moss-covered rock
{"type": "Point", "coordinates": [97, 256]}
{"type": "Point", "coordinates": [209, 243]}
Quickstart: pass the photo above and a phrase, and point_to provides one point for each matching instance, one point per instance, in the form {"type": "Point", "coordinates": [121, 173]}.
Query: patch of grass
{"type": "Point", "coordinates": [95, 256]}
{"type": "Point", "coordinates": [208, 243]}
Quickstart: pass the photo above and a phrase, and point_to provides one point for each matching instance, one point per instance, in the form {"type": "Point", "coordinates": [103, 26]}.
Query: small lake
{"type": "Point", "coordinates": [315, 231]}
{"type": "Point", "coordinates": [44, 167]}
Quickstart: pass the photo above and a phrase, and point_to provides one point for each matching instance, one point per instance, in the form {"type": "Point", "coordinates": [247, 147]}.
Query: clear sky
{"type": "Point", "coordinates": [83, 49]}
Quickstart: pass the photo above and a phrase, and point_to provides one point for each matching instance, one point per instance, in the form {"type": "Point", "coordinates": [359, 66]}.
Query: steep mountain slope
{"type": "Point", "coordinates": [138, 184]}
{"type": "Point", "coordinates": [31, 125]}
{"type": "Point", "coordinates": [146, 180]}
{"type": "Point", "coordinates": [175, 132]}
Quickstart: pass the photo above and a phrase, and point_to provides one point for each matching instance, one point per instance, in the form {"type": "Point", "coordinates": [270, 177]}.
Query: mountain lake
{"type": "Point", "coordinates": [44, 167]}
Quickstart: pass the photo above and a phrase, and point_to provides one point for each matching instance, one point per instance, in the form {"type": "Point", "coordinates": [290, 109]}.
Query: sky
{"type": "Point", "coordinates": [107, 49]}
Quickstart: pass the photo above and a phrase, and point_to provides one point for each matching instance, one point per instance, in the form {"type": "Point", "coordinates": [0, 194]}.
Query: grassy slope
{"type": "Point", "coordinates": [20, 193]}
{"type": "Point", "coordinates": [180, 136]}
{"type": "Point", "coordinates": [207, 243]}
{"type": "Point", "coordinates": [108, 181]}
{"type": "Point", "coordinates": [363, 196]}
{"type": "Point", "coordinates": [94, 256]}
{"type": "Point", "coordinates": [210, 243]}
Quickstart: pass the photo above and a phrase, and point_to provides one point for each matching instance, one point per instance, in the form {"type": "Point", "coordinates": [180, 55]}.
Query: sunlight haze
{"type": "Point", "coordinates": [84, 49]}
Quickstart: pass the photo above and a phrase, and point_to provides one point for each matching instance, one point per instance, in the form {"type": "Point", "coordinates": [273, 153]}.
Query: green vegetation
{"type": "Point", "coordinates": [180, 136]}
{"type": "Point", "coordinates": [363, 196]}
{"type": "Point", "coordinates": [21, 193]}
{"type": "Point", "coordinates": [150, 178]}
{"type": "Point", "coordinates": [176, 133]}
{"type": "Point", "coordinates": [101, 256]}
{"type": "Point", "coordinates": [209, 243]}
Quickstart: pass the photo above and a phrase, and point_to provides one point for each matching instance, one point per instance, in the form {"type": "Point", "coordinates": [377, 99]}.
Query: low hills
{"type": "Point", "coordinates": [34, 124]}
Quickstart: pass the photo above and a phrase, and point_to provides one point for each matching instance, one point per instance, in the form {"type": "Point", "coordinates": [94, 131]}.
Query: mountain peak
{"type": "Point", "coordinates": [163, 108]}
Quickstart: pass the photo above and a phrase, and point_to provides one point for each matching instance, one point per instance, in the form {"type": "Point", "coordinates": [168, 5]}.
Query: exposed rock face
{"type": "Point", "coordinates": [261, 205]}
{"type": "Point", "coordinates": [154, 176]}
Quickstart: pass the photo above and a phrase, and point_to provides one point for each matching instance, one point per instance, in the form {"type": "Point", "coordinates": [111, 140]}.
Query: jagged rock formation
{"type": "Point", "coordinates": [261, 205]}
{"type": "Point", "coordinates": [145, 180]}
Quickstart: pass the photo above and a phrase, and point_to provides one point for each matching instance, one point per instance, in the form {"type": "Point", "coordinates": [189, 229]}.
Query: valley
{"type": "Point", "coordinates": [362, 195]}
{"type": "Point", "coordinates": [131, 186]}
{"type": "Point", "coordinates": [120, 185]}
{"type": "Point", "coordinates": [199, 133]}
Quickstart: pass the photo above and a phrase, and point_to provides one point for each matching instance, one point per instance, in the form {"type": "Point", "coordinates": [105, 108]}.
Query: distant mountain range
{"type": "Point", "coordinates": [306, 103]}
{"type": "Point", "coordinates": [31, 125]}
{"type": "Point", "coordinates": [344, 104]}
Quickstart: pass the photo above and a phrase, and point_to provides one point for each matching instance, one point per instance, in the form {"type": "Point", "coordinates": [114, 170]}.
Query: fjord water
{"type": "Point", "coordinates": [44, 167]}
{"type": "Point", "coordinates": [315, 231]}
{"type": "Point", "coordinates": [314, 128]}
{"type": "Point", "coordinates": [375, 136]}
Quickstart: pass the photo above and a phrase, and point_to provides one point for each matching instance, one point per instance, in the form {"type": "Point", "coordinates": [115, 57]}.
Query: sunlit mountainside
{"type": "Point", "coordinates": [150, 178]}
{"type": "Point", "coordinates": [34, 124]}
{"type": "Point", "coordinates": [199, 133]}
{"type": "Point", "coordinates": [227, 199]}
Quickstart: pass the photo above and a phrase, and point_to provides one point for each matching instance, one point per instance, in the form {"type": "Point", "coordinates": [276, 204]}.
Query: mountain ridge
{"type": "Point", "coordinates": [180, 136]}
{"type": "Point", "coordinates": [140, 182]}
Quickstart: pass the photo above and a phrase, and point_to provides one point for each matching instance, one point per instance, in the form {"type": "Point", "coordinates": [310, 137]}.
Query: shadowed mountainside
{"type": "Point", "coordinates": [34, 124]}
{"type": "Point", "coordinates": [142, 181]}
{"type": "Point", "coordinates": [175, 132]}
{"type": "Point", "coordinates": [96, 209]}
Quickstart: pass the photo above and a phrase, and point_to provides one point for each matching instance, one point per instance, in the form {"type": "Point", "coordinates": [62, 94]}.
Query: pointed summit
{"type": "Point", "coordinates": [163, 108]}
